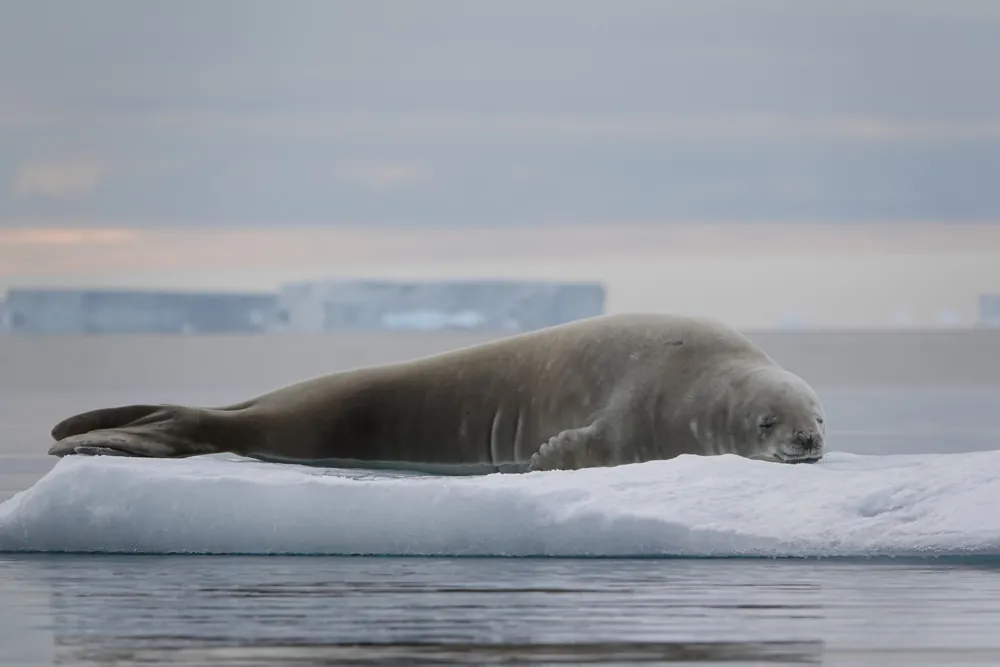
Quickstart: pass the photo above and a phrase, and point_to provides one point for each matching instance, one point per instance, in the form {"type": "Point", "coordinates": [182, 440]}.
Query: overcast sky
{"type": "Point", "coordinates": [239, 113]}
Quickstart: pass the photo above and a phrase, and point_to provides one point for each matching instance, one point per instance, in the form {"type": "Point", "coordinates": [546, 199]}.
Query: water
{"type": "Point", "coordinates": [237, 610]}
{"type": "Point", "coordinates": [260, 610]}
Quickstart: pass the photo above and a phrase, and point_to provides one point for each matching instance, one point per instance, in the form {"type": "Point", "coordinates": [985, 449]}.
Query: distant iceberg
{"type": "Point", "coordinates": [433, 320]}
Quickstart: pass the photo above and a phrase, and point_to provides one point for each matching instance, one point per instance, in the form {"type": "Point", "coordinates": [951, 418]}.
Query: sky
{"type": "Point", "coordinates": [376, 114]}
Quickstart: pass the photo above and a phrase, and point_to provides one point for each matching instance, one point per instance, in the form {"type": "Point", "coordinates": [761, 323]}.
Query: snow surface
{"type": "Point", "coordinates": [846, 505]}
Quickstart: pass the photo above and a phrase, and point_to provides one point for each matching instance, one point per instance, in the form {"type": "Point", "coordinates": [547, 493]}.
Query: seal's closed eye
{"type": "Point", "coordinates": [766, 423]}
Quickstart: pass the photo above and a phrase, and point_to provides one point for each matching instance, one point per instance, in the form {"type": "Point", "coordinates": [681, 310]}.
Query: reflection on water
{"type": "Point", "coordinates": [269, 610]}
{"type": "Point", "coordinates": [480, 654]}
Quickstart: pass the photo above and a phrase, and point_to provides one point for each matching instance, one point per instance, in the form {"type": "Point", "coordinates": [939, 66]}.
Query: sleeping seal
{"type": "Point", "coordinates": [602, 391]}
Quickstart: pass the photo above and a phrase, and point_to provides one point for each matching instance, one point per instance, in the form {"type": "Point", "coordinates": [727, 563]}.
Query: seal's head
{"type": "Point", "coordinates": [783, 419]}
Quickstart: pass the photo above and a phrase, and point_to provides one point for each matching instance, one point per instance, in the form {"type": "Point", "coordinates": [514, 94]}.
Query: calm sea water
{"type": "Point", "coordinates": [237, 611]}
{"type": "Point", "coordinates": [254, 611]}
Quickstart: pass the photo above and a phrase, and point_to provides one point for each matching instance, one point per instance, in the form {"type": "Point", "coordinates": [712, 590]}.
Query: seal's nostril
{"type": "Point", "coordinates": [805, 439]}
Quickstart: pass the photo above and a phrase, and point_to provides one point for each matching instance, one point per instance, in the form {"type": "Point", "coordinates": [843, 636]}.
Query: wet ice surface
{"type": "Point", "coordinates": [265, 610]}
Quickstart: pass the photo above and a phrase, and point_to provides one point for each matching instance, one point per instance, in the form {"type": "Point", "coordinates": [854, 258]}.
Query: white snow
{"type": "Point", "coordinates": [846, 505]}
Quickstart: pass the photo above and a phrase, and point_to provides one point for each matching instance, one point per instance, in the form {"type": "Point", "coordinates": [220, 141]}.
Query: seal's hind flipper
{"type": "Point", "coordinates": [575, 448]}
{"type": "Point", "coordinates": [106, 443]}
{"type": "Point", "coordinates": [103, 418]}
{"type": "Point", "coordinates": [91, 450]}
{"type": "Point", "coordinates": [168, 432]}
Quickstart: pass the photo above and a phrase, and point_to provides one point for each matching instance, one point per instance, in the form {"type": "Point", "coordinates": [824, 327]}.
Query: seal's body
{"type": "Point", "coordinates": [596, 392]}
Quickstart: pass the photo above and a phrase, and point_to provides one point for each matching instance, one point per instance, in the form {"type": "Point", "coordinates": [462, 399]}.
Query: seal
{"type": "Point", "coordinates": [601, 391]}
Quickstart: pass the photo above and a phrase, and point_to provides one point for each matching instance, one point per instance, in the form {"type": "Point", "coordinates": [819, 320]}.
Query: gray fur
{"type": "Point", "coordinates": [597, 392]}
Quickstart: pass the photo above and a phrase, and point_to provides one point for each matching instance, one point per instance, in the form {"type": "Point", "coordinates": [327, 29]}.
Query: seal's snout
{"type": "Point", "coordinates": [804, 447]}
{"type": "Point", "coordinates": [807, 440]}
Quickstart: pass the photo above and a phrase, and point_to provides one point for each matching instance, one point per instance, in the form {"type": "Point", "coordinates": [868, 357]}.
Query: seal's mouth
{"type": "Point", "coordinates": [811, 458]}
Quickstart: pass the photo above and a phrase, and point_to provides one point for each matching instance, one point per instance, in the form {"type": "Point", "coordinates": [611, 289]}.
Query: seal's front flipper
{"type": "Point", "coordinates": [572, 449]}
{"type": "Point", "coordinates": [103, 418]}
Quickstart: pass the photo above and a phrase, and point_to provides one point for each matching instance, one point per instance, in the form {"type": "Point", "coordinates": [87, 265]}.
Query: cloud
{"type": "Point", "coordinates": [60, 178]}
{"type": "Point", "coordinates": [65, 237]}
{"type": "Point", "coordinates": [707, 109]}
